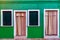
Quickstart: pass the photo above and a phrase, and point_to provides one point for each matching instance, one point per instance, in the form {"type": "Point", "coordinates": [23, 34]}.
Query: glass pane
{"type": "Point", "coordinates": [33, 17]}
{"type": "Point", "coordinates": [6, 17]}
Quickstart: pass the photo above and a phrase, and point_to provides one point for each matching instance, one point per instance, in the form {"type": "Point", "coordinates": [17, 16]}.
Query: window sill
{"type": "Point", "coordinates": [33, 26]}
{"type": "Point", "coordinates": [6, 26]}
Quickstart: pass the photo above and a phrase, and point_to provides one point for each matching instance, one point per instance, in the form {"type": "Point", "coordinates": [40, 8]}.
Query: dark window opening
{"type": "Point", "coordinates": [6, 17]}
{"type": "Point", "coordinates": [33, 17]}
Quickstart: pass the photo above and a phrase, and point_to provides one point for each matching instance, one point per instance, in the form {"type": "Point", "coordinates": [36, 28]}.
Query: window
{"type": "Point", "coordinates": [51, 23]}
{"type": "Point", "coordinates": [6, 17]}
{"type": "Point", "coordinates": [33, 18]}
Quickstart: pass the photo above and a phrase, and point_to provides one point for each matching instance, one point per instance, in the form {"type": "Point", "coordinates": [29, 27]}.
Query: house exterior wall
{"type": "Point", "coordinates": [29, 0]}
{"type": "Point", "coordinates": [33, 32]}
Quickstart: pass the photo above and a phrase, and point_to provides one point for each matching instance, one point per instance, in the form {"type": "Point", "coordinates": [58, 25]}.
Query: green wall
{"type": "Point", "coordinates": [29, 0]}
{"type": "Point", "coordinates": [6, 32]}
{"type": "Point", "coordinates": [33, 32]}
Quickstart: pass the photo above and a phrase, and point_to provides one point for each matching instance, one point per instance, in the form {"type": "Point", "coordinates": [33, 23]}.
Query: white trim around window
{"type": "Point", "coordinates": [38, 16]}
{"type": "Point", "coordinates": [58, 25]}
{"type": "Point", "coordinates": [2, 16]}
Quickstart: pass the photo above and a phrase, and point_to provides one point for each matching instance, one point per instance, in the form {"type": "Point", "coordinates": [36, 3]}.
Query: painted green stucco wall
{"type": "Point", "coordinates": [6, 32]}
{"type": "Point", "coordinates": [33, 32]}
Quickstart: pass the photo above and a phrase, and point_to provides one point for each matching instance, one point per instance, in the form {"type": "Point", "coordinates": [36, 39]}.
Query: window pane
{"type": "Point", "coordinates": [33, 17]}
{"type": "Point", "coordinates": [6, 17]}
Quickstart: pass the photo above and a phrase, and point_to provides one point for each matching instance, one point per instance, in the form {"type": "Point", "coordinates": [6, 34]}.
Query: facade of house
{"type": "Point", "coordinates": [29, 18]}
